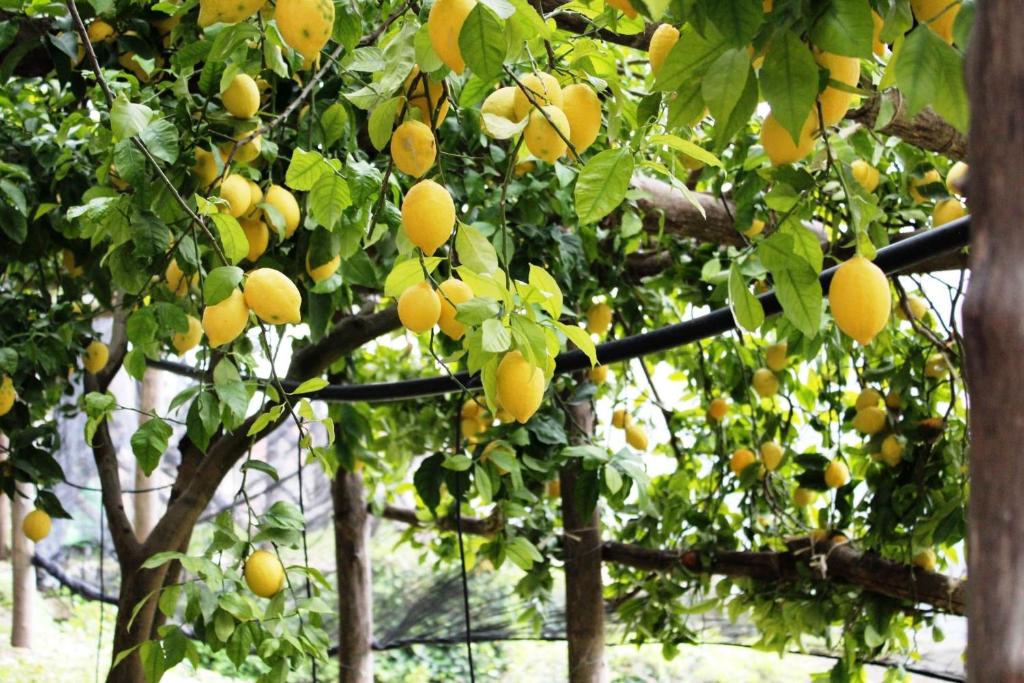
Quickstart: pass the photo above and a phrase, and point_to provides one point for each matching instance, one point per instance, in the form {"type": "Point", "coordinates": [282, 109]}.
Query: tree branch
{"type": "Point", "coordinates": [87, 591]}
{"type": "Point", "coordinates": [926, 129]}
{"type": "Point", "coordinates": [348, 335]}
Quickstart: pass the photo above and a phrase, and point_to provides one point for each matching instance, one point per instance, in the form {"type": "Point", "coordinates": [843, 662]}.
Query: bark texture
{"type": "Point", "coordinates": [994, 331]}
{"type": "Point", "coordinates": [926, 129]}
{"type": "Point", "coordinates": [584, 590]}
{"type": "Point", "coordinates": [355, 586]}
{"type": "Point", "coordinates": [22, 572]}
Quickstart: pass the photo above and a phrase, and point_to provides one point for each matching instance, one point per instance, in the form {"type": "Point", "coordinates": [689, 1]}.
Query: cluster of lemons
{"type": "Point", "coordinates": [474, 420]}
{"type": "Point", "coordinates": [945, 210]}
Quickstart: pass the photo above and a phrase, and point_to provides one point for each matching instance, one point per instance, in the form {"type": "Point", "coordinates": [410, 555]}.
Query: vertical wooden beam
{"type": "Point", "coordinates": [355, 585]}
{"type": "Point", "coordinates": [5, 520]}
{"type": "Point", "coordinates": [994, 331]}
{"type": "Point", "coordinates": [22, 572]}
{"type": "Point", "coordinates": [144, 504]}
{"type": "Point", "coordinates": [584, 590]}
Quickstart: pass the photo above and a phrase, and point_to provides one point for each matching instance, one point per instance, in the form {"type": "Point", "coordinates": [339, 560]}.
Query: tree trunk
{"type": "Point", "coordinates": [994, 333]}
{"type": "Point", "coordinates": [584, 598]}
{"type": "Point", "coordinates": [355, 588]}
{"type": "Point", "coordinates": [145, 503]}
{"type": "Point", "coordinates": [136, 584]}
{"type": "Point", "coordinates": [22, 572]}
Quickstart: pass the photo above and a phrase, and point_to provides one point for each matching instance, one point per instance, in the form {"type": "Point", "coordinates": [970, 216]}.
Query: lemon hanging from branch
{"type": "Point", "coordinates": [273, 297]}
{"type": "Point", "coordinates": [520, 386]}
{"type": "Point", "coordinates": [859, 298]}
{"type": "Point", "coordinates": [305, 25]}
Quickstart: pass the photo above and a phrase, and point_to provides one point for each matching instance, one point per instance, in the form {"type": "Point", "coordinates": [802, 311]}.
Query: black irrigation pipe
{"type": "Point", "coordinates": [891, 259]}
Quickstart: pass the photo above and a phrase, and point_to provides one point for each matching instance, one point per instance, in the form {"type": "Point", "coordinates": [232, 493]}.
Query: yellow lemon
{"type": "Point", "coordinates": [939, 15]}
{"type": "Point", "coordinates": [419, 307]}
{"type": "Point", "coordinates": [258, 236]}
{"type": "Point", "coordinates": [868, 398]}
{"type": "Point", "coordinates": [284, 201]}
{"type": "Point", "coordinates": [870, 420]}
{"type": "Point", "coordinates": [273, 297]}
{"type": "Point", "coordinates": [428, 215]}
{"type": "Point", "coordinates": [242, 97]}
{"type": "Point", "coordinates": [936, 366]}
{"type": "Point", "coordinates": [453, 293]}
{"type": "Point", "coordinates": [598, 374]}
{"type": "Point", "coordinates": [835, 102]}
{"type": "Point", "coordinates": [931, 177]}
{"type": "Point", "coordinates": [765, 383]}
{"type": "Point", "coordinates": [166, 25]}
{"type": "Point", "coordinates": [775, 356]}
{"type": "Point", "coordinates": [255, 197]}
{"type": "Point", "coordinates": [522, 168]}
{"type": "Point", "coordinates": [176, 280]}
{"type": "Point", "coordinates": [305, 25]}
{"type": "Point", "coordinates": [636, 437]}
{"type": "Point", "coordinates": [472, 409]}
{"type": "Point", "coordinates": [866, 175]}
{"type": "Point", "coordinates": [892, 450]}
{"type": "Point", "coordinates": [755, 229]}
{"type": "Point", "coordinates": [544, 90]}
{"type": "Point", "coordinates": [245, 153]}
{"type": "Point", "coordinates": [662, 41]}
{"type": "Point", "coordinates": [226, 11]}
{"type": "Point", "coordinates": [264, 574]}
{"type": "Point", "coordinates": [779, 145]}
{"type": "Point", "coordinates": [96, 356]}
{"type": "Point", "coordinates": [918, 308]}
{"type": "Point", "coordinates": [803, 497]}
{"type": "Point", "coordinates": [8, 395]}
{"type": "Point", "coordinates": [624, 6]}
{"type": "Point", "coordinates": [324, 270]}
{"type": "Point", "coordinates": [429, 101]}
{"type": "Point", "coordinates": [741, 459]}
{"type": "Point", "coordinates": [36, 525]}
{"type": "Point", "coordinates": [205, 167]}
{"type": "Point", "coordinates": [100, 31]}
{"type": "Point", "coordinates": [599, 319]}
{"type": "Point", "coordinates": [621, 419]}
{"type": "Point", "coordinates": [859, 298]}
{"type": "Point", "coordinates": [837, 475]}
{"type": "Point", "coordinates": [471, 429]}
{"type": "Point", "coordinates": [582, 110]}
{"type": "Point", "coordinates": [501, 103]}
{"type": "Point", "coordinates": [946, 211]}
{"type": "Point", "coordinates": [130, 61]}
{"type": "Point", "coordinates": [235, 190]}
{"type": "Point", "coordinates": [520, 386]}
{"type": "Point", "coordinates": [877, 46]}
{"type": "Point", "coordinates": [225, 320]}
{"type": "Point", "coordinates": [893, 400]}
{"type": "Point", "coordinates": [184, 341]}
{"type": "Point", "coordinates": [771, 455]}
{"type": "Point", "coordinates": [444, 23]}
{"type": "Point", "coordinates": [926, 560]}
{"type": "Point", "coordinates": [412, 148]}
{"type": "Point", "coordinates": [956, 178]}
{"type": "Point", "coordinates": [718, 409]}
{"type": "Point", "coordinates": [71, 266]}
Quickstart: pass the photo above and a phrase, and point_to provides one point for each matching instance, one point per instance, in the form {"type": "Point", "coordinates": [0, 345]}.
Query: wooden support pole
{"type": "Point", "coordinates": [355, 584]}
{"type": "Point", "coordinates": [22, 572]}
{"type": "Point", "coordinates": [5, 521]}
{"type": "Point", "coordinates": [144, 504]}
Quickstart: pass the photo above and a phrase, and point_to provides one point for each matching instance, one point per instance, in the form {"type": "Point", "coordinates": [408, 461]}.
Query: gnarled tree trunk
{"type": "Point", "coordinates": [136, 584]}
{"type": "Point", "coordinates": [355, 587]}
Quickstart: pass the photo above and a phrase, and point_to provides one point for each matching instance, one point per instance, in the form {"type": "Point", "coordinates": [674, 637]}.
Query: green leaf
{"type": "Point", "coordinates": [736, 20]}
{"type": "Point", "coordinates": [333, 123]}
{"type": "Point", "coordinates": [482, 42]}
{"type": "Point", "coordinates": [161, 137]}
{"type": "Point", "coordinates": [152, 656]}
{"type": "Point", "coordinates": [726, 129]}
{"type": "Point", "coordinates": [689, 58]}
{"type": "Point", "coordinates": [305, 169]}
{"type": "Point", "coordinates": [725, 80]}
{"type": "Point", "coordinates": [160, 559]}
{"type": "Point", "coordinates": [496, 337]}
{"type": "Point", "coordinates": [602, 184]}
{"type": "Point", "coordinates": [930, 73]}
{"type": "Point", "coordinates": [232, 237]}
{"type": "Point", "coordinates": [475, 250]}
{"type": "Point", "coordinates": [426, 57]}
{"type": "Point", "coordinates": [310, 385]}
{"type": "Point", "coordinates": [745, 306]}
{"type": "Point", "coordinates": [220, 283]}
{"type": "Point", "coordinates": [149, 442]}
{"type": "Point", "coordinates": [845, 28]}
{"type": "Point", "coordinates": [230, 389]}
{"type": "Point", "coordinates": [789, 81]}
{"type": "Point", "coordinates": [542, 280]}
{"type": "Point", "coordinates": [581, 338]}
{"type": "Point", "coordinates": [128, 119]}
{"type": "Point", "coordinates": [476, 311]}
{"type": "Point", "coordinates": [690, 149]}
{"type": "Point", "coordinates": [382, 119]}
{"type": "Point", "coordinates": [260, 466]}
{"type": "Point", "coordinates": [329, 197]}
{"type": "Point", "coordinates": [799, 292]}
{"type": "Point", "coordinates": [407, 273]}
{"type": "Point", "coordinates": [169, 599]}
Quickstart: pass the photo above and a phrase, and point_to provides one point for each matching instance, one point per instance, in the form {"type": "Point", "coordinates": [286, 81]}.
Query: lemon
{"type": "Point", "coordinates": [100, 31]}
{"type": "Point", "coordinates": [598, 374]}
{"type": "Point", "coordinates": [235, 190]}
{"type": "Point", "coordinates": [305, 25]}
{"type": "Point", "coordinates": [845, 70]}
{"type": "Point", "coordinates": [471, 409]}
{"type": "Point", "coordinates": [741, 459]}
{"type": "Point", "coordinates": [96, 356]}
{"type": "Point", "coordinates": [225, 320]}
{"type": "Point", "coordinates": [939, 15]}
{"type": "Point", "coordinates": [412, 148]}
{"type": "Point", "coordinates": [621, 419]}
{"type": "Point", "coordinates": [775, 356]}
{"type": "Point", "coordinates": [946, 211]}
{"type": "Point", "coordinates": [430, 102]}
{"type": "Point", "coordinates": [931, 177]}
{"type": "Point", "coordinates": [205, 167]}
{"type": "Point", "coordinates": [8, 395]}
{"type": "Point", "coordinates": [662, 41]}
{"type": "Point", "coordinates": [771, 455]}
{"type": "Point", "coordinates": [893, 400]}
{"type": "Point", "coordinates": [859, 299]}
{"type": "Point", "coordinates": [36, 525]}
{"type": "Point", "coordinates": [245, 153]}
{"type": "Point", "coordinates": [866, 175]}
{"type": "Point", "coordinates": [273, 297]}
{"type": "Point", "coordinates": [284, 201]}
{"type": "Point", "coordinates": [935, 366]}
{"type": "Point", "coordinates": [956, 178]}
{"type": "Point", "coordinates": [837, 475]}
{"type": "Point", "coordinates": [241, 98]}
{"type": "Point", "coordinates": [264, 574]}
{"type": "Point", "coordinates": [130, 61]}
{"type": "Point", "coordinates": [471, 429]}
{"type": "Point", "coordinates": [453, 293]}
{"type": "Point", "coordinates": [765, 383]}
{"type": "Point", "coordinates": [523, 167]}
{"type": "Point", "coordinates": [428, 215]}
{"type": "Point", "coordinates": [544, 90]}
{"type": "Point", "coordinates": [226, 11]}
{"type": "Point", "coordinates": [869, 420]}
{"type": "Point", "coordinates": [918, 308]}
{"type": "Point", "coordinates": [868, 398]}
{"type": "Point", "coordinates": [803, 497]}
{"type": "Point", "coordinates": [501, 103]}
{"type": "Point", "coordinates": [520, 386]}
{"type": "Point", "coordinates": [877, 46]}
{"type": "Point", "coordinates": [892, 450]}
{"type": "Point", "coordinates": [718, 409]}
{"type": "Point", "coordinates": [71, 266]}
{"type": "Point", "coordinates": [444, 23]}
{"type": "Point", "coordinates": [636, 437]}
{"type": "Point", "coordinates": [176, 280]}
{"type": "Point", "coordinates": [926, 560]}
{"type": "Point", "coordinates": [167, 24]}
{"type": "Point", "coordinates": [255, 197]}
{"type": "Point", "coordinates": [756, 228]}
{"type": "Point", "coordinates": [324, 270]}
{"type": "Point", "coordinates": [599, 319]}
{"type": "Point", "coordinates": [419, 307]}
{"type": "Point", "coordinates": [184, 341]}
{"type": "Point", "coordinates": [624, 6]}
{"type": "Point", "coordinates": [778, 144]}
{"type": "Point", "coordinates": [257, 234]}
{"type": "Point", "coordinates": [582, 110]}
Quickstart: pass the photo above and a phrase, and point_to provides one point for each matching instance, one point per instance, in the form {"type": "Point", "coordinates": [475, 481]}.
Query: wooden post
{"type": "Point", "coordinates": [5, 521]}
{"type": "Point", "coordinates": [355, 586]}
{"type": "Point", "coordinates": [584, 597]}
{"type": "Point", "coordinates": [144, 504]}
{"type": "Point", "coordinates": [22, 572]}
{"type": "Point", "coordinates": [994, 332]}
